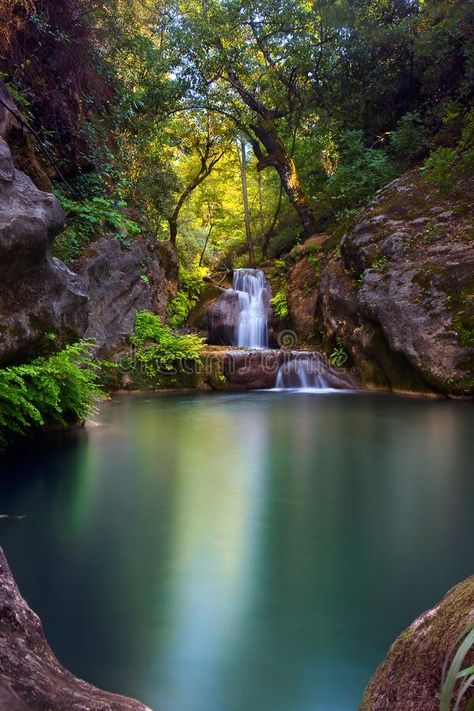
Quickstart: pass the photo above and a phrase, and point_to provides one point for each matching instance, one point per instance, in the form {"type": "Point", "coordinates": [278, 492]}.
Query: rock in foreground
{"type": "Point", "coordinates": [409, 679]}
{"type": "Point", "coordinates": [31, 678]}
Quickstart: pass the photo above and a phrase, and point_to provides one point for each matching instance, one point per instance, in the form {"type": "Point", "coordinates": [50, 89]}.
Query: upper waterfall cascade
{"type": "Point", "coordinates": [252, 323]}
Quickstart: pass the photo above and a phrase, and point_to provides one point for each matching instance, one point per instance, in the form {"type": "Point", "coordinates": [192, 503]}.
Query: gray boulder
{"type": "Point", "coordinates": [38, 294]}
{"type": "Point", "coordinates": [121, 281]}
{"type": "Point", "coordinates": [401, 301]}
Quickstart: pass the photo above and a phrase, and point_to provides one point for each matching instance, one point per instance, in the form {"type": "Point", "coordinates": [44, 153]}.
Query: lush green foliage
{"type": "Point", "coordinates": [446, 164]}
{"type": "Point", "coordinates": [338, 356]}
{"type": "Point", "coordinates": [152, 96]}
{"type": "Point", "coordinates": [59, 388]}
{"type": "Point", "coordinates": [458, 681]}
{"type": "Point", "coordinates": [158, 349]}
{"type": "Point", "coordinates": [280, 303]}
{"type": "Point", "coordinates": [361, 171]}
{"type": "Point", "coordinates": [98, 216]}
{"type": "Point", "coordinates": [409, 142]}
{"type": "Point", "coordinates": [440, 167]}
{"type": "Point", "coordinates": [190, 284]}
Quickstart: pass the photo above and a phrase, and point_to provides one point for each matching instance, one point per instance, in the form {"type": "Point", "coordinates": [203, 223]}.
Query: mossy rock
{"type": "Point", "coordinates": [410, 677]}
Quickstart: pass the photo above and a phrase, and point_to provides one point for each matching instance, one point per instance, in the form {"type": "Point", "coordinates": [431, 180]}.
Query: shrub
{"type": "Point", "coordinates": [360, 173]}
{"type": "Point", "coordinates": [409, 142]}
{"type": "Point", "coordinates": [88, 218]}
{"type": "Point", "coordinates": [466, 144]}
{"type": "Point", "coordinates": [61, 388]}
{"type": "Point", "coordinates": [190, 284]}
{"type": "Point", "coordinates": [338, 356]}
{"type": "Point", "coordinates": [440, 168]}
{"type": "Point", "coordinates": [159, 349]}
{"type": "Point", "coordinates": [280, 302]}
{"type": "Point", "coordinates": [444, 165]}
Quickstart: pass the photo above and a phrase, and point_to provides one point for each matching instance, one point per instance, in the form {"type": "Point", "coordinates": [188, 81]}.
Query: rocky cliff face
{"type": "Point", "coordinates": [38, 294]}
{"type": "Point", "coordinates": [410, 677]}
{"type": "Point", "coordinates": [31, 678]}
{"type": "Point", "coordinates": [121, 281]}
{"type": "Point", "coordinates": [400, 299]}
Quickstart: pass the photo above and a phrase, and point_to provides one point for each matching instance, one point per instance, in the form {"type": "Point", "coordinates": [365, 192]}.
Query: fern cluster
{"type": "Point", "coordinates": [98, 215]}
{"type": "Point", "coordinates": [158, 349]}
{"type": "Point", "coordinates": [60, 388]}
{"type": "Point", "coordinates": [280, 302]}
{"type": "Point", "coordinates": [190, 285]}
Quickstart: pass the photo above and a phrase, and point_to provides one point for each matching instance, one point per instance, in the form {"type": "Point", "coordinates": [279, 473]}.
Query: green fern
{"type": "Point", "coordinates": [60, 388]}
{"type": "Point", "coordinates": [159, 349]}
{"type": "Point", "coordinates": [280, 302]}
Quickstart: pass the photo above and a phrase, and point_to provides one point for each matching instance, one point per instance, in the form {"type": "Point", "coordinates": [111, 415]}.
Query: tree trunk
{"type": "Point", "coordinates": [248, 231]}
{"type": "Point", "coordinates": [260, 204]}
{"type": "Point", "coordinates": [271, 230]}
{"type": "Point", "coordinates": [173, 225]}
{"type": "Point", "coordinates": [279, 158]}
{"type": "Point", "coordinates": [205, 244]}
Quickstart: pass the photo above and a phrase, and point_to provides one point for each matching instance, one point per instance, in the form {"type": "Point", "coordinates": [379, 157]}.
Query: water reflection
{"type": "Point", "coordinates": [241, 551]}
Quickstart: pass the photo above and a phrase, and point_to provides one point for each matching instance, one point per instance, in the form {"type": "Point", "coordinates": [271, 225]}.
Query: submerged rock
{"type": "Point", "coordinates": [38, 294]}
{"type": "Point", "coordinates": [31, 678]}
{"type": "Point", "coordinates": [410, 677]}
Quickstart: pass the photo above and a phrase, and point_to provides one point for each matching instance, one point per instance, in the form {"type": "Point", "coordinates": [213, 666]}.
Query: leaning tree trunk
{"type": "Point", "coordinates": [279, 158]}
{"type": "Point", "coordinates": [173, 228]}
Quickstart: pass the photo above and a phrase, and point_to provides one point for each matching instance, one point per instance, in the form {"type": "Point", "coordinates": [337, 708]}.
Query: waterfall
{"type": "Point", "coordinates": [301, 374]}
{"type": "Point", "coordinates": [252, 321]}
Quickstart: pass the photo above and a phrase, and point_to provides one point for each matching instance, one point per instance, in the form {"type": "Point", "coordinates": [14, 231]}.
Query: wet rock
{"type": "Point", "coordinates": [31, 678]}
{"type": "Point", "coordinates": [257, 369]}
{"type": "Point", "coordinates": [121, 281]}
{"type": "Point", "coordinates": [222, 317]}
{"type": "Point", "coordinates": [39, 294]}
{"type": "Point", "coordinates": [222, 368]}
{"type": "Point", "coordinates": [199, 317]}
{"type": "Point", "coordinates": [410, 677]}
{"type": "Point", "coordinates": [302, 297]}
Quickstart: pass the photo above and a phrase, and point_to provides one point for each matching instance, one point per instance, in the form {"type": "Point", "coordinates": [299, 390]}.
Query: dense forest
{"type": "Point", "coordinates": [146, 115]}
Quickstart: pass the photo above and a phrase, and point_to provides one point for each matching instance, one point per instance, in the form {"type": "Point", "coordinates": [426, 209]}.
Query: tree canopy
{"type": "Point", "coordinates": [158, 101]}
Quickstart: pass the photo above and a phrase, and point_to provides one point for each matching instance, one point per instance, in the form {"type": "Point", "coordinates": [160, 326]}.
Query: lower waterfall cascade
{"type": "Point", "coordinates": [301, 374]}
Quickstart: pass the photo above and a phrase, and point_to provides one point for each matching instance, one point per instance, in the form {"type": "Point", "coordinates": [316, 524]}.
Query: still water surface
{"type": "Point", "coordinates": [241, 552]}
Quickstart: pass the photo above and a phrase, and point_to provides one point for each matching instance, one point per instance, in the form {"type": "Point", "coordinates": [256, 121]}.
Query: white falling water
{"type": "Point", "coordinates": [301, 374]}
{"type": "Point", "coordinates": [252, 323]}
